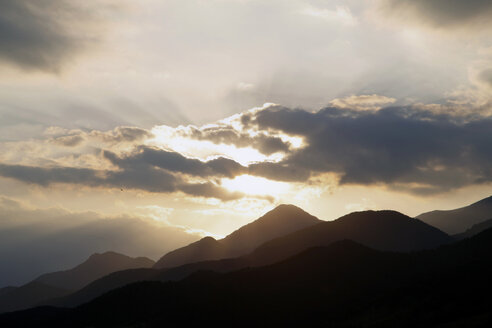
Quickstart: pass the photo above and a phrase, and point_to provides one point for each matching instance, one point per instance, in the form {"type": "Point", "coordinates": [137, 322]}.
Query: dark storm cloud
{"type": "Point", "coordinates": [43, 34]}
{"type": "Point", "coordinates": [147, 169]}
{"type": "Point", "coordinates": [228, 135]}
{"type": "Point", "coordinates": [443, 13]}
{"type": "Point", "coordinates": [45, 176]}
{"type": "Point", "coordinates": [175, 162]}
{"type": "Point", "coordinates": [406, 148]}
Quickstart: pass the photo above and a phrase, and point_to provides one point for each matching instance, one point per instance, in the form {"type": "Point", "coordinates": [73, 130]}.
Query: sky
{"type": "Point", "coordinates": [141, 126]}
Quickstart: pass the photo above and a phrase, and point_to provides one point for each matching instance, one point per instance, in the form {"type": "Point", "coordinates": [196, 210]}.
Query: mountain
{"type": "Point", "coordinates": [96, 266]}
{"type": "Point", "coordinates": [57, 284]}
{"type": "Point", "coordinates": [385, 230]}
{"type": "Point", "coordinates": [382, 230]}
{"type": "Point", "coordinates": [345, 284]}
{"type": "Point", "coordinates": [100, 286]}
{"type": "Point", "coordinates": [6, 290]}
{"type": "Point", "coordinates": [474, 230]}
{"type": "Point", "coordinates": [28, 295]}
{"type": "Point", "coordinates": [207, 248]}
{"type": "Point", "coordinates": [458, 220]}
{"type": "Point", "coordinates": [282, 220]}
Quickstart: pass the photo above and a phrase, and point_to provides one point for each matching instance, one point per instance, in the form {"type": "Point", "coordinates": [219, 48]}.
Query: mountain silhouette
{"type": "Point", "coordinates": [102, 285]}
{"type": "Point", "coordinates": [459, 220]}
{"type": "Point", "coordinates": [278, 222]}
{"type": "Point", "coordinates": [474, 230]}
{"type": "Point", "coordinates": [345, 284]}
{"type": "Point", "coordinates": [28, 295]}
{"type": "Point", "coordinates": [95, 267]}
{"type": "Point", "coordinates": [6, 290]}
{"type": "Point", "coordinates": [57, 284]}
{"type": "Point", "coordinates": [384, 230]}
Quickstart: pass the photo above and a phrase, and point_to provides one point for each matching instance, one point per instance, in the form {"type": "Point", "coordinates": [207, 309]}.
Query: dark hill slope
{"type": "Point", "coordinates": [57, 284]}
{"type": "Point", "coordinates": [28, 295]}
{"type": "Point", "coordinates": [96, 266]}
{"type": "Point", "coordinates": [386, 230]}
{"type": "Point", "coordinates": [474, 230]}
{"type": "Point", "coordinates": [342, 285]}
{"type": "Point", "coordinates": [382, 230]}
{"type": "Point", "coordinates": [280, 221]}
{"type": "Point", "coordinates": [458, 220]}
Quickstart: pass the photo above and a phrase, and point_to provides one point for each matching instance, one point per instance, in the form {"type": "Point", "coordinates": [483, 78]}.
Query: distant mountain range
{"type": "Point", "coordinates": [474, 230]}
{"type": "Point", "coordinates": [96, 266]}
{"type": "Point", "coordinates": [282, 220]}
{"type": "Point", "coordinates": [344, 284]}
{"type": "Point", "coordinates": [57, 284]}
{"type": "Point", "coordinates": [458, 220]}
{"type": "Point", "coordinates": [385, 230]}
{"type": "Point", "coordinates": [372, 242]}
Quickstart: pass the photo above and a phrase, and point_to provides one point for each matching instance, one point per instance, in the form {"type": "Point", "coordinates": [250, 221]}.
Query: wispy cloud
{"type": "Point", "coordinates": [47, 34]}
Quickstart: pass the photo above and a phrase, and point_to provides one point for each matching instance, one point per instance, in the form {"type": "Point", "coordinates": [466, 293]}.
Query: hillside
{"type": "Point", "coordinates": [385, 230]}
{"type": "Point", "coordinates": [282, 220]}
{"type": "Point", "coordinates": [342, 285]}
{"type": "Point", "coordinates": [57, 284]}
{"type": "Point", "coordinates": [96, 266]}
{"type": "Point", "coordinates": [459, 220]}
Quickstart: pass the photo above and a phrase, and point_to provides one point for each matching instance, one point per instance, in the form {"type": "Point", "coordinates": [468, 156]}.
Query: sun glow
{"type": "Point", "coordinates": [252, 185]}
{"type": "Point", "coordinates": [166, 137]}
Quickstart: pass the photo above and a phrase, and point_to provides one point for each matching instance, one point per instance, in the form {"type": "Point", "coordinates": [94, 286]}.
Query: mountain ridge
{"type": "Point", "coordinates": [61, 283]}
{"type": "Point", "coordinates": [458, 220]}
{"type": "Point", "coordinates": [278, 249]}
{"type": "Point", "coordinates": [281, 220]}
{"type": "Point", "coordinates": [345, 284]}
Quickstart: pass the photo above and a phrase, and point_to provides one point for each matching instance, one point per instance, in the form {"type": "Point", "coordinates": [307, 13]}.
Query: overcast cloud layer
{"type": "Point", "coordinates": [411, 149]}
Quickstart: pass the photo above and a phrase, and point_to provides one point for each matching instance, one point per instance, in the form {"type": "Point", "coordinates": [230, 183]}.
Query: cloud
{"type": "Point", "coordinates": [75, 137]}
{"type": "Point", "coordinates": [442, 13]}
{"type": "Point", "coordinates": [175, 162]}
{"type": "Point", "coordinates": [228, 135]}
{"type": "Point", "coordinates": [340, 14]}
{"type": "Point", "coordinates": [146, 169]}
{"type": "Point", "coordinates": [362, 102]}
{"type": "Point", "coordinates": [69, 141]}
{"type": "Point", "coordinates": [121, 134]}
{"type": "Point", "coordinates": [485, 77]}
{"type": "Point", "coordinates": [45, 176]}
{"type": "Point", "coordinates": [405, 148]}
{"type": "Point", "coordinates": [47, 34]}
{"type": "Point", "coordinates": [34, 241]}
{"type": "Point", "coordinates": [420, 149]}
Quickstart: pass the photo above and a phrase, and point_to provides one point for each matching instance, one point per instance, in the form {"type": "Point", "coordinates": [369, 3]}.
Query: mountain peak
{"type": "Point", "coordinates": [281, 220]}
{"type": "Point", "coordinates": [372, 214]}
{"type": "Point", "coordinates": [107, 254]}
{"type": "Point", "coordinates": [287, 208]}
